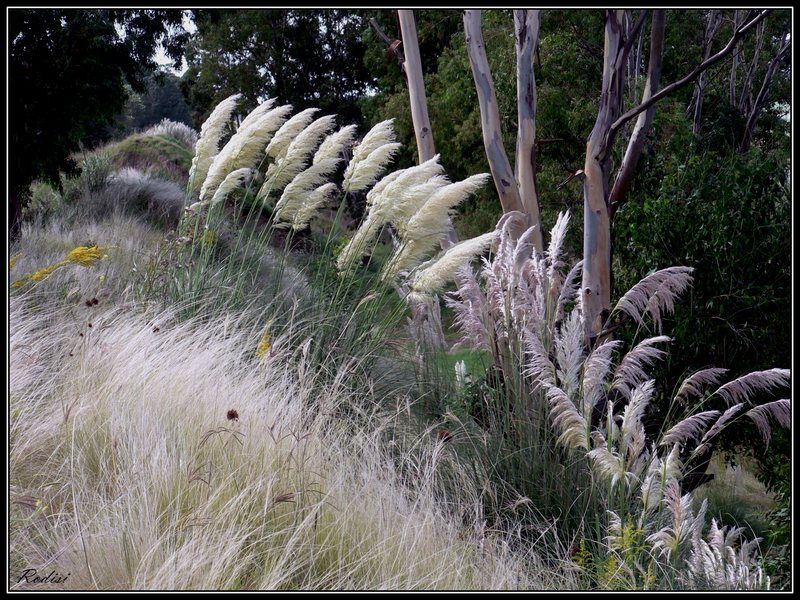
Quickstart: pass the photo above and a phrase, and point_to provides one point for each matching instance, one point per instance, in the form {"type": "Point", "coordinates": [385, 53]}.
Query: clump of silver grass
{"type": "Point", "coordinates": [298, 153]}
{"type": "Point", "coordinates": [314, 201]}
{"type": "Point", "coordinates": [279, 144]}
{"type": "Point", "coordinates": [233, 180]}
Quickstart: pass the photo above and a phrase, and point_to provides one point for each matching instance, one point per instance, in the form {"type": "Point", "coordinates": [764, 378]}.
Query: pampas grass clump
{"type": "Point", "coordinates": [596, 407]}
{"type": "Point", "coordinates": [179, 131]}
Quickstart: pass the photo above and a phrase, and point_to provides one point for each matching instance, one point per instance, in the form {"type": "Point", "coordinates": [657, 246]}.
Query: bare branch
{"type": "Point", "coordinates": [393, 46]}
{"type": "Point", "coordinates": [667, 90]}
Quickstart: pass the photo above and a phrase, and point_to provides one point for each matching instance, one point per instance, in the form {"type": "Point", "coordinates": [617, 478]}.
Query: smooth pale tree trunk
{"type": "Point", "coordinates": [526, 33]}
{"type": "Point", "coordinates": [642, 126]}
{"type": "Point", "coordinates": [503, 176]}
{"type": "Point", "coordinates": [416, 86]}
{"type": "Point", "coordinates": [426, 317]}
{"type": "Point", "coordinates": [423, 132]}
{"type": "Point", "coordinates": [596, 282]}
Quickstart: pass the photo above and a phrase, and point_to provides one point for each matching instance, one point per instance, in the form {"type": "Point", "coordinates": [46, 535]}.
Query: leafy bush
{"type": "Point", "coordinates": [44, 199]}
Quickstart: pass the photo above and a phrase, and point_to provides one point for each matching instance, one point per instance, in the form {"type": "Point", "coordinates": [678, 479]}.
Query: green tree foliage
{"type": "Point", "coordinates": [67, 74]}
{"type": "Point", "coordinates": [303, 57]}
{"type": "Point", "coordinates": [163, 99]}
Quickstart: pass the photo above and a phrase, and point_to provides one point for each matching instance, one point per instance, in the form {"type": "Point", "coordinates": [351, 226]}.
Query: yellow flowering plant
{"type": "Point", "coordinates": [84, 256]}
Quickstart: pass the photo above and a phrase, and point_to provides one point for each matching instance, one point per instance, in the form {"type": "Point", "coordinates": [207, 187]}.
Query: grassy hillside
{"type": "Point", "coordinates": [208, 391]}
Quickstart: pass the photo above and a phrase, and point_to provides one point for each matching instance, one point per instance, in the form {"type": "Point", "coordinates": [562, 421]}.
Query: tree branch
{"type": "Point", "coordinates": [667, 90]}
{"type": "Point", "coordinates": [634, 31]}
{"type": "Point", "coordinates": [393, 46]}
{"type": "Point", "coordinates": [639, 135]}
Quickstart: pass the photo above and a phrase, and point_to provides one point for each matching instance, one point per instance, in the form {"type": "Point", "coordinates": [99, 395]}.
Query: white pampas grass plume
{"type": "Point", "coordinates": [557, 235]}
{"type": "Point", "coordinates": [693, 385]}
{"type": "Point", "coordinates": [630, 371]}
{"type": "Point", "coordinates": [386, 207]}
{"type": "Point", "coordinates": [370, 157]}
{"type": "Point", "coordinates": [717, 427]}
{"type": "Point", "coordinates": [311, 205]}
{"type": "Point", "coordinates": [607, 463]}
{"type": "Point", "coordinates": [670, 538]}
{"type": "Point", "coordinates": [335, 144]}
{"type": "Point", "coordinates": [595, 370]}
{"type": "Point", "coordinates": [381, 134]}
{"type": "Point", "coordinates": [233, 180]}
{"type": "Point", "coordinates": [434, 275]}
{"type": "Point", "coordinates": [538, 367]}
{"type": "Point", "coordinates": [357, 246]}
{"type": "Point", "coordinates": [376, 191]}
{"type": "Point", "coordinates": [433, 217]}
{"type": "Point", "coordinates": [410, 254]}
{"type": "Point", "coordinates": [256, 113]}
{"type": "Point", "coordinates": [470, 311]}
{"type": "Point", "coordinates": [400, 192]}
{"type": "Point", "coordinates": [297, 155]}
{"type": "Point", "coordinates": [297, 191]}
{"type": "Point", "coordinates": [743, 388]}
{"type": "Point", "coordinates": [244, 149]}
{"type": "Point", "coordinates": [569, 289]}
{"type": "Point", "coordinates": [207, 145]}
{"type": "Point", "coordinates": [690, 428]}
{"type": "Point", "coordinates": [569, 352]}
{"type": "Point", "coordinates": [780, 410]}
{"type": "Point", "coordinates": [716, 563]}
{"type": "Point", "coordinates": [361, 174]}
{"type": "Point", "coordinates": [288, 132]}
{"type": "Point", "coordinates": [524, 248]}
{"type": "Point", "coordinates": [566, 418]}
{"type": "Point", "coordinates": [655, 294]}
{"type": "Point", "coordinates": [410, 200]}
{"type": "Point", "coordinates": [633, 435]}
{"type": "Point", "coordinates": [429, 205]}
{"type": "Point", "coordinates": [650, 492]}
